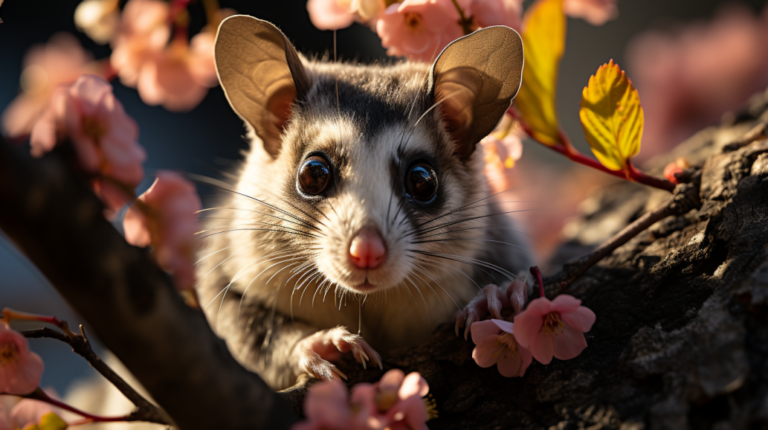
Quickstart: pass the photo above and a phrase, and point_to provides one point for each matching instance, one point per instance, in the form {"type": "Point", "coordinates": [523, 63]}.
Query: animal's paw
{"type": "Point", "coordinates": [316, 352]}
{"type": "Point", "coordinates": [492, 300]}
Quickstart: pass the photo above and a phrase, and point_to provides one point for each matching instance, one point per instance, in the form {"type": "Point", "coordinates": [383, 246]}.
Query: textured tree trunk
{"type": "Point", "coordinates": [681, 337]}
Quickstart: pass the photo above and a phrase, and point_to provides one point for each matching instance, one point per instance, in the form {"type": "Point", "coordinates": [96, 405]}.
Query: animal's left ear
{"type": "Point", "coordinates": [475, 79]}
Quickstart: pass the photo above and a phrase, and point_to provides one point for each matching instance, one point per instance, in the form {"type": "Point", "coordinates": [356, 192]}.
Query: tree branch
{"type": "Point", "coordinates": [145, 411]}
{"type": "Point", "coordinates": [685, 198]}
{"type": "Point", "coordinates": [55, 219]}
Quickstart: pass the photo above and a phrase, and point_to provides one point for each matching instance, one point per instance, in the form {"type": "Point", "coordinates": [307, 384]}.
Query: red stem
{"type": "Point", "coordinates": [179, 28]}
{"type": "Point", "coordinates": [43, 397]}
{"type": "Point", "coordinates": [9, 314]}
{"type": "Point", "coordinates": [537, 273]}
{"type": "Point", "coordinates": [567, 149]}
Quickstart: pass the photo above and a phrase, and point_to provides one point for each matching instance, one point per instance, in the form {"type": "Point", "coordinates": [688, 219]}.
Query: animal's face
{"type": "Point", "coordinates": [367, 174]}
{"type": "Point", "coordinates": [376, 184]}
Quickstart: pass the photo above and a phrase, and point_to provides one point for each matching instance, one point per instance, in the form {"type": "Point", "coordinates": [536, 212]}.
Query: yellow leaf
{"type": "Point", "coordinates": [544, 41]}
{"type": "Point", "coordinates": [612, 117]}
{"type": "Point", "coordinates": [51, 421]}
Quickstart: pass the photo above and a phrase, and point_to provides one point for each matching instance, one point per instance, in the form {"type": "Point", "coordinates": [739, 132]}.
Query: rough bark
{"type": "Point", "coordinates": [681, 337]}
{"type": "Point", "coordinates": [52, 215]}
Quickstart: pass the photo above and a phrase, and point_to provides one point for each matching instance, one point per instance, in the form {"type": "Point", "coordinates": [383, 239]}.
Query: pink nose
{"type": "Point", "coordinates": [367, 249]}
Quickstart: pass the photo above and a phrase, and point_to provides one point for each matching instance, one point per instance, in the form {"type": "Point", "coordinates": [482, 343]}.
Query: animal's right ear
{"type": "Point", "coordinates": [261, 74]}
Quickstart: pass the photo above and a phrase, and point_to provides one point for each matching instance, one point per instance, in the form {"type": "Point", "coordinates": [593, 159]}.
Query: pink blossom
{"type": "Point", "coordinates": [395, 403]}
{"type": "Point", "coordinates": [98, 19]}
{"type": "Point", "coordinates": [29, 411]}
{"type": "Point", "coordinates": [165, 217]}
{"type": "Point", "coordinates": [20, 369]}
{"type": "Point", "coordinates": [46, 67]}
{"type": "Point", "coordinates": [338, 14]}
{"type": "Point", "coordinates": [102, 133]}
{"type": "Point", "coordinates": [497, 12]}
{"type": "Point", "coordinates": [178, 77]}
{"type": "Point", "coordinates": [18, 413]}
{"type": "Point", "coordinates": [331, 14]}
{"type": "Point", "coordinates": [495, 344]}
{"type": "Point", "coordinates": [418, 29]}
{"type": "Point", "coordinates": [408, 410]}
{"type": "Point", "coordinates": [554, 328]}
{"type": "Point", "coordinates": [692, 74]}
{"type": "Point", "coordinates": [500, 156]}
{"type": "Point", "coordinates": [595, 12]}
{"type": "Point", "coordinates": [674, 168]}
{"type": "Point", "coordinates": [144, 32]}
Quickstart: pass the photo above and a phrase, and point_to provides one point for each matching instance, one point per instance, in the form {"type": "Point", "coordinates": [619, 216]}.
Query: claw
{"type": "Point", "coordinates": [491, 300]}
{"type": "Point", "coordinates": [338, 372]}
{"type": "Point", "coordinates": [316, 351]}
{"type": "Point", "coordinates": [468, 328]}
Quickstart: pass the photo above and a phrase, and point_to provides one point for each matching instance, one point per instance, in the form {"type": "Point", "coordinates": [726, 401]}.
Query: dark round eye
{"type": "Point", "coordinates": [421, 182]}
{"type": "Point", "coordinates": [314, 175]}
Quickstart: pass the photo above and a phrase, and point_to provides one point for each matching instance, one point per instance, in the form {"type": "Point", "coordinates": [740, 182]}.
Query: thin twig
{"type": "Point", "coordinates": [145, 410]}
{"type": "Point", "coordinates": [685, 198]}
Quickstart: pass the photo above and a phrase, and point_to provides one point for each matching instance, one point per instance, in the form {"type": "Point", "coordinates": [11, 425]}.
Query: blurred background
{"type": "Point", "coordinates": [692, 60]}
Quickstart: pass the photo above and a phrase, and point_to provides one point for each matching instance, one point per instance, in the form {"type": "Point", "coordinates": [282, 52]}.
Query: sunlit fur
{"type": "Point", "coordinates": [276, 270]}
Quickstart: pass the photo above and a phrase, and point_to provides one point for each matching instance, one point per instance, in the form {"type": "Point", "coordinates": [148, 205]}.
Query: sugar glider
{"type": "Point", "coordinates": [360, 217]}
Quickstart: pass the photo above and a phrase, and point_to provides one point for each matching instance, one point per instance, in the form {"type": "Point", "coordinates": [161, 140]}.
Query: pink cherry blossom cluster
{"type": "Point", "coordinates": [176, 75]}
{"type": "Point", "coordinates": [420, 29]}
{"type": "Point", "coordinates": [689, 75]}
{"type": "Point", "coordinates": [104, 136]}
{"type": "Point", "coordinates": [150, 52]}
{"type": "Point", "coordinates": [105, 140]}
{"type": "Point", "coordinates": [543, 330]}
{"type": "Point", "coordinates": [395, 402]}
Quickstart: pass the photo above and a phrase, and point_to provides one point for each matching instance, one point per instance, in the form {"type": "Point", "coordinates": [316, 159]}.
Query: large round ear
{"type": "Point", "coordinates": [474, 80]}
{"type": "Point", "coordinates": [261, 74]}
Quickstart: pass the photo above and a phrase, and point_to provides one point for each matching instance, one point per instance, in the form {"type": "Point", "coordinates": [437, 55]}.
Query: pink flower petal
{"type": "Point", "coordinates": [541, 348]}
{"type": "Point", "coordinates": [581, 319]}
{"type": "Point", "coordinates": [364, 397]}
{"type": "Point", "coordinates": [328, 15]}
{"type": "Point", "coordinates": [45, 68]}
{"type": "Point", "coordinates": [20, 372]}
{"type": "Point", "coordinates": [595, 12]}
{"type": "Point", "coordinates": [483, 354]}
{"type": "Point", "coordinates": [565, 303]}
{"type": "Point", "coordinates": [497, 12]}
{"type": "Point", "coordinates": [528, 323]}
{"type": "Point", "coordinates": [172, 203]}
{"type": "Point", "coordinates": [511, 365]}
{"type": "Point", "coordinates": [413, 411]}
{"type": "Point", "coordinates": [136, 229]}
{"type": "Point", "coordinates": [392, 379]}
{"type": "Point", "coordinates": [29, 411]}
{"type": "Point", "coordinates": [568, 344]}
{"type": "Point", "coordinates": [503, 325]}
{"type": "Point", "coordinates": [482, 330]}
{"type": "Point", "coordinates": [327, 402]}
{"type": "Point", "coordinates": [413, 385]}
